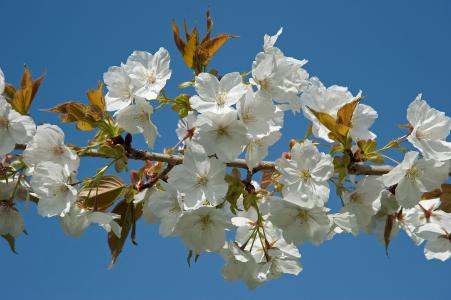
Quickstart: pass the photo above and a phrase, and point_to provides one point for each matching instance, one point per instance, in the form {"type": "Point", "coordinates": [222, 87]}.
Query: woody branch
{"type": "Point", "coordinates": [136, 154]}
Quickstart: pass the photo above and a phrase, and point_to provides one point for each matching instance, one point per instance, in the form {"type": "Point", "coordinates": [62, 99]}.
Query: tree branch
{"type": "Point", "coordinates": [136, 154]}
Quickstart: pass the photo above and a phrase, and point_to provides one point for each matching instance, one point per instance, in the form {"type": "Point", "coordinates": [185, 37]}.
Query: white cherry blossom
{"type": "Point", "coordinates": [438, 236]}
{"type": "Point", "coordinates": [426, 211]}
{"type": "Point", "coordinates": [203, 229]}
{"type": "Point", "coordinates": [200, 178]}
{"type": "Point", "coordinates": [282, 262]}
{"type": "Point", "coordinates": [146, 197]}
{"type": "Point", "coordinates": [52, 183]}
{"type": "Point", "coordinates": [343, 222]}
{"type": "Point", "coordinates": [364, 201]}
{"type": "Point", "coordinates": [120, 88]}
{"type": "Point", "coordinates": [362, 119]}
{"type": "Point", "coordinates": [77, 220]}
{"type": "Point", "coordinates": [186, 128]}
{"type": "Point", "coordinates": [257, 148]}
{"type": "Point", "coordinates": [74, 222]}
{"type": "Point", "coordinates": [414, 177]}
{"type": "Point", "coordinates": [106, 220]}
{"type": "Point", "coordinates": [270, 40]}
{"type": "Point", "coordinates": [149, 73]}
{"type": "Point", "coordinates": [2, 82]}
{"type": "Point", "coordinates": [48, 145]}
{"type": "Point", "coordinates": [430, 128]}
{"type": "Point", "coordinates": [217, 95]}
{"type": "Point", "coordinates": [222, 134]}
{"type": "Point", "coordinates": [14, 128]}
{"type": "Point", "coordinates": [305, 175]}
{"type": "Point", "coordinates": [167, 205]}
{"type": "Point", "coordinates": [300, 223]}
{"type": "Point", "coordinates": [135, 118]}
{"type": "Point", "coordinates": [245, 221]}
{"type": "Point", "coordinates": [330, 100]}
{"type": "Point", "coordinates": [282, 257]}
{"type": "Point", "coordinates": [280, 77]}
{"type": "Point", "coordinates": [8, 187]}
{"type": "Point", "coordinates": [240, 265]}
{"type": "Point", "coordinates": [256, 111]}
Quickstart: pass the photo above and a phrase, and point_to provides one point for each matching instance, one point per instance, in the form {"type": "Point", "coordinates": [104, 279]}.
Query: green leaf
{"type": "Point", "coordinates": [249, 199]}
{"type": "Point", "coordinates": [235, 190]}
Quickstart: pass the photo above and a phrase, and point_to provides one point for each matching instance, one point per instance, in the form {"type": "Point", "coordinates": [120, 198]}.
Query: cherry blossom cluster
{"type": "Point", "coordinates": [239, 116]}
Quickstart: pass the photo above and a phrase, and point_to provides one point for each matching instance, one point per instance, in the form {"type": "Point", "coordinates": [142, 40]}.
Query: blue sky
{"type": "Point", "coordinates": [392, 50]}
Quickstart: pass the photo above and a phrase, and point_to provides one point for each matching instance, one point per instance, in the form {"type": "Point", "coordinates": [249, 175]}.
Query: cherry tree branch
{"type": "Point", "coordinates": [136, 154]}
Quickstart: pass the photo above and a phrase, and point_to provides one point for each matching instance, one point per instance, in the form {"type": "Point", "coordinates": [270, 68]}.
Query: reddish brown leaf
{"type": "Point", "coordinates": [445, 198]}
{"type": "Point", "coordinates": [129, 214]}
{"type": "Point", "coordinates": [388, 231]}
{"type": "Point", "coordinates": [36, 86]}
{"type": "Point", "coordinates": [212, 46]}
{"type": "Point", "coordinates": [178, 41]}
{"type": "Point", "coordinates": [11, 242]}
{"type": "Point", "coordinates": [102, 194]}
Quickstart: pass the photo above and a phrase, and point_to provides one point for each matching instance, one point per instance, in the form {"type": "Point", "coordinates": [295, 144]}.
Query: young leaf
{"type": "Point", "coordinates": [327, 120]}
{"type": "Point", "coordinates": [197, 55]}
{"type": "Point", "coordinates": [103, 193]}
{"type": "Point", "coordinates": [345, 113]}
{"type": "Point", "coordinates": [129, 215]}
{"type": "Point", "coordinates": [97, 98]}
{"type": "Point", "coordinates": [212, 46]}
{"type": "Point", "coordinates": [21, 99]}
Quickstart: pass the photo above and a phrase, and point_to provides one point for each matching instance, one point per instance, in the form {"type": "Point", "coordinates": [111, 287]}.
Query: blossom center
{"type": "Point", "coordinates": [221, 99]}
{"type": "Point", "coordinates": [61, 189]}
{"type": "Point", "coordinates": [151, 77]}
{"type": "Point", "coordinates": [355, 198]}
{"type": "Point", "coordinates": [142, 117]}
{"type": "Point", "coordinates": [205, 221]}
{"type": "Point", "coordinates": [264, 84]}
{"type": "Point", "coordinates": [302, 216]}
{"type": "Point", "coordinates": [58, 150]}
{"type": "Point", "coordinates": [421, 135]}
{"type": "Point", "coordinates": [221, 131]}
{"type": "Point", "coordinates": [248, 118]}
{"type": "Point", "coordinates": [202, 180]}
{"type": "Point", "coordinates": [412, 173]}
{"type": "Point", "coordinates": [6, 204]}
{"type": "Point", "coordinates": [305, 175]}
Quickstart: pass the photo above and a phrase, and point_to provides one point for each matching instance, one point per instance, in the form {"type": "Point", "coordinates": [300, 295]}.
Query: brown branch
{"type": "Point", "coordinates": [354, 169]}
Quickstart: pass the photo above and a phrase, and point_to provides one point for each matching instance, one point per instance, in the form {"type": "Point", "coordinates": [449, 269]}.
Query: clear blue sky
{"type": "Point", "coordinates": [392, 50]}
